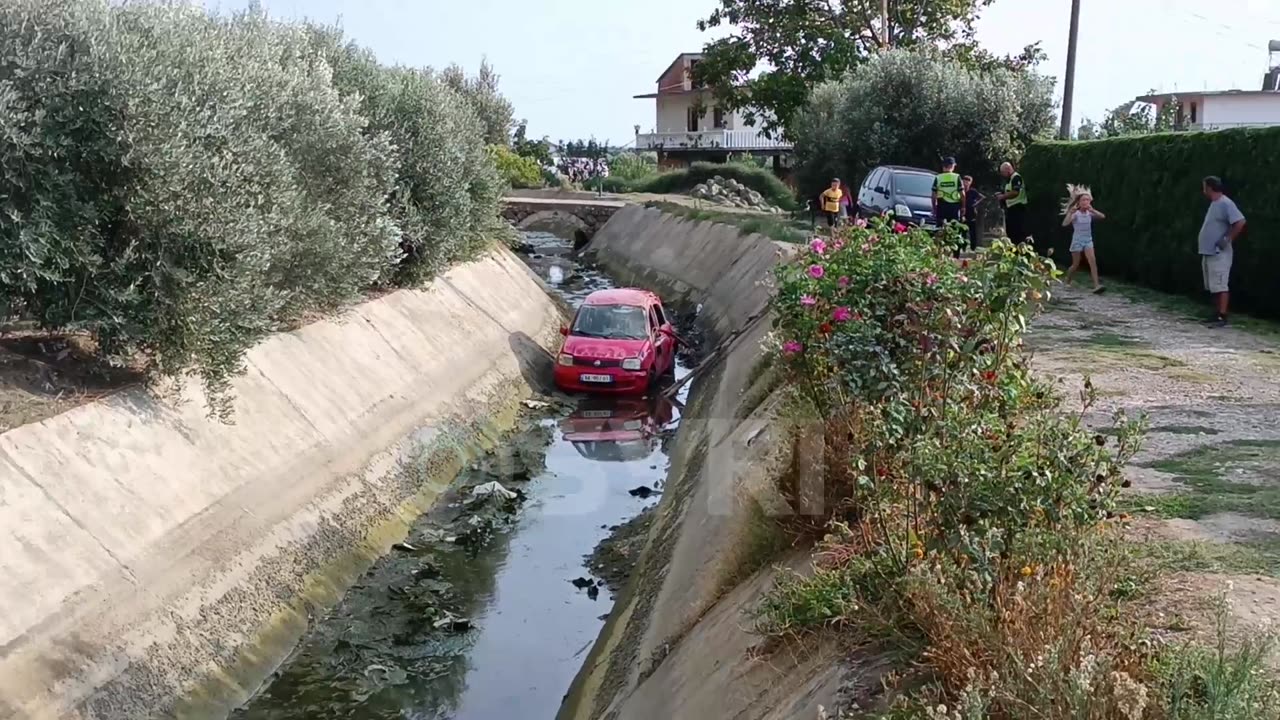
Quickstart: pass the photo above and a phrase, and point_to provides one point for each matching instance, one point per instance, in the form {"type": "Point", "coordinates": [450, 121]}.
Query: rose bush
{"type": "Point", "coordinates": [955, 486]}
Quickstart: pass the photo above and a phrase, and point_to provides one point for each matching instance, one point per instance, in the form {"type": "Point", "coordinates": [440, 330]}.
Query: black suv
{"type": "Point", "coordinates": [906, 193]}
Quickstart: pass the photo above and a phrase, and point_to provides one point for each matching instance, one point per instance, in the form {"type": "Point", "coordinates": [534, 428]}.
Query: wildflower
{"type": "Point", "coordinates": [841, 314]}
{"type": "Point", "coordinates": [843, 281]}
{"type": "Point", "coordinates": [866, 247]}
{"type": "Point", "coordinates": [918, 552]}
{"type": "Point", "coordinates": [860, 222]}
{"type": "Point", "coordinates": [825, 328]}
{"type": "Point", "coordinates": [816, 271]}
{"type": "Point", "coordinates": [931, 280]}
{"type": "Point", "coordinates": [1026, 571]}
{"type": "Point", "coordinates": [808, 300]}
{"type": "Point", "coordinates": [989, 375]}
{"type": "Point", "coordinates": [818, 246]}
{"type": "Point", "coordinates": [791, 347]}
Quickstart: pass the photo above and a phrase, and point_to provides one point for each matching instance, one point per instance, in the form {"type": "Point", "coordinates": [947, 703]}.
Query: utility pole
{"type": "Point", "coordinates": [884, 24]}
{"type": "Point", "coordinates": [1069, 82]}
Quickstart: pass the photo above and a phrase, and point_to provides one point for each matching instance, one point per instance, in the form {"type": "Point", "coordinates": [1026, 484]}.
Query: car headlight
{"type": "Point", "coordinates": [632, 425]}
{"type": "Point", "coordinates": [631, 364]}
{"type": "Point", "coordinates": [902, 211]}
{"type": "Point", "coordinates": [566, 359]}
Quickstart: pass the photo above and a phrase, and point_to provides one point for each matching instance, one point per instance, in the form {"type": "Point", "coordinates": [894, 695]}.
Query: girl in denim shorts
{"type": "Point", "coordinates": [1079, 214]}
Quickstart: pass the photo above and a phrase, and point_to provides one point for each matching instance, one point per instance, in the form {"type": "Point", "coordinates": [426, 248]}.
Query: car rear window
{"type": "Point", "coordinates": [913, 184]}
{"type": "Point", "coordinates": [612, 322]}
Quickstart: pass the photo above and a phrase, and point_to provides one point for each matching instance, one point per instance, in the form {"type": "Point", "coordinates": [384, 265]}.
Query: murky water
{"type": "Point", "coordinates": [478, 616]}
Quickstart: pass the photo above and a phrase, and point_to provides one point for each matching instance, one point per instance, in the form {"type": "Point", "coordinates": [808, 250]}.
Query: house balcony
{"type": "Point", "coordinates": [750, 140]}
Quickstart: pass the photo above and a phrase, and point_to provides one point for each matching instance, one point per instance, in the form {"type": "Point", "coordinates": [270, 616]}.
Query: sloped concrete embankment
{"type": "Point", "coordinates": [158, 563]}
{"type": "Point", "coordinates": [678, 643]}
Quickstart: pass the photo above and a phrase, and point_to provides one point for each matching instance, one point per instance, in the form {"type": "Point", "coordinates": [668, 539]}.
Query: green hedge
{"type": "Point", "coordinates": [759, 179]}
{"type": "Point", "coordinates": [1149, 188]}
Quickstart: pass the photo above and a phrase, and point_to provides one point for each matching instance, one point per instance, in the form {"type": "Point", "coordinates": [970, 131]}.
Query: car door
{"type": "Point", "coordinates": [661, 342]}
{"type": "Point", "coordinates": [667, 333]}
{"type": "Point", "coordinates": [864, 193]}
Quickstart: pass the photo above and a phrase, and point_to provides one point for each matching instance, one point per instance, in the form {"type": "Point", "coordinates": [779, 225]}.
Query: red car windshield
{"type": "Point", "coordinates": [611, 322]}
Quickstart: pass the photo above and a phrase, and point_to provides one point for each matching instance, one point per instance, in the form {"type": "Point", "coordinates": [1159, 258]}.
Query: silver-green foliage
{"type": "Point", "coordinates": [181, 184]}
{"type": "Point", "coordinates": [914, 107]}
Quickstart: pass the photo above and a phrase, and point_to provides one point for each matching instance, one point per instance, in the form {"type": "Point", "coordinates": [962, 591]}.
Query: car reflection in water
{"type": "Point", "coordinates": [619, 429]}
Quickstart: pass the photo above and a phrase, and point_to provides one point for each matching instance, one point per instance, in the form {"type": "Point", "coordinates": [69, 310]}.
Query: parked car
{"type": "Point", "coordinates": [620, 341]}
{"type": "Point", "coordinates": [906, 193]}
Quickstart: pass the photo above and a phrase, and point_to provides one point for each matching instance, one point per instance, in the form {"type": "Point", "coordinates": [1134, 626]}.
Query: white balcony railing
{"type": "Point", "coordinates": [709, 140]}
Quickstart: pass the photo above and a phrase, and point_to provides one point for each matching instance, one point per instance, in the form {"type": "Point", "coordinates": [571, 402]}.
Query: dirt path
{"type": "Point", "coordinates": [1206, 485]}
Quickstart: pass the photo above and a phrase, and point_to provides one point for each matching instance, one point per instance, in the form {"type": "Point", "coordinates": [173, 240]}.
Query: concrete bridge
{"type": "Point", "coordinates": [576, 214]}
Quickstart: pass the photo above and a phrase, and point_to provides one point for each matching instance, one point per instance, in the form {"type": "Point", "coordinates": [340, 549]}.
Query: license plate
{"type": "Point", "coordinates": [596, 413]}
{"type": "Point", "coordinates": [596, 378]}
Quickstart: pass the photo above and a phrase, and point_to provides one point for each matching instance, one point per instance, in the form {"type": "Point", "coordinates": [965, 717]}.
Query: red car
{"type": "Point", "coordinates": [620, 341]}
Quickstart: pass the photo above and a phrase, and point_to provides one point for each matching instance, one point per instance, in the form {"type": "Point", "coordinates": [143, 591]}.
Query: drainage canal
{"type": "Point", "coordinates": [489, 608]}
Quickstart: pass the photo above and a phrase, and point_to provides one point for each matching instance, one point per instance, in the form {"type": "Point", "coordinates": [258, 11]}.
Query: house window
{"type": "Point", "coordinates": [717, 118]}
{"type": "Point", "coordinates": [1179, 116]}
{"type": "Point", "coordinates": [694, 117]}
{"type": "Point", "coordinates": [1193, 113]}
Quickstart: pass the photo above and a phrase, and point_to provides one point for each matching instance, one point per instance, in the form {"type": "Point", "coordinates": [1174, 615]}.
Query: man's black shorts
{"type": "Point", "coordinates": [948, 212]}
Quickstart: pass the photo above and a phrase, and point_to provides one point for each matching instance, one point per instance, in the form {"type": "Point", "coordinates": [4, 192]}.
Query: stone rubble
{"type": "Point", "coordinates": [734, 194]}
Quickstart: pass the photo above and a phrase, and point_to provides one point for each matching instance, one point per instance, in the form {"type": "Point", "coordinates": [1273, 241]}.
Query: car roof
{"type": "Point", "coordinates": [621, 296]}
{"type": "Point", "coordinates": [908, 169]}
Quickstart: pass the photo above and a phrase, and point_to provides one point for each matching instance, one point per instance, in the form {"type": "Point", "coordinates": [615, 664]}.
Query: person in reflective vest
{"type": "Point", "coordinates": [1014, 202]}
{"type": "Point", "coordinates": [948, 194]}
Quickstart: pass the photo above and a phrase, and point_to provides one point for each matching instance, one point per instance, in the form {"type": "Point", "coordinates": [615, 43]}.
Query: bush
{"type": "Point", "coordinates": [912, 108]}
{"type": "Point", "coordinates": [1149, 187]}
{"type": "Point", "coordinates": [633, 166]}
{"type": "Point", "coordinates": [516, 171]}
{"type": "Point", "coordinates": [180, 185]}
{"type": "Point", "coordinates": [963, 511]}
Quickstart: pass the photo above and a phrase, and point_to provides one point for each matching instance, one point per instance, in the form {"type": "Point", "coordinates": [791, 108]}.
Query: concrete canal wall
{"type": "Point", "coordinates": [158, 563]}
{"type": "Point", "coordinates": [678, 643]}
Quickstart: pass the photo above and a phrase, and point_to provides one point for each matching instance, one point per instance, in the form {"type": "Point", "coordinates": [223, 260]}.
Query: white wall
{"type": "Point", "coordinates": [672, 114]}
{"type": "Point", "coordinates": [1255, 108]}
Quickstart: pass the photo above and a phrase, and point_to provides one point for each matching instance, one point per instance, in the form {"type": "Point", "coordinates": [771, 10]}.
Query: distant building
{"type": "Point", "coordinates": [1223, 109]}
{"type": "Point", "coordinates": [689, 127]}
{"type": "Point", "coordinates": [1220, 110]}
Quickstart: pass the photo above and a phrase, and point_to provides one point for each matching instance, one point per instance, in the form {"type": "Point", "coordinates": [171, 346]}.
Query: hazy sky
{"type": "Point", "coordinates": [571, 67]}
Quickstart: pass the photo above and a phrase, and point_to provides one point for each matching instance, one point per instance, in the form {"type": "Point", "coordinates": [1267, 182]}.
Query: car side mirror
{"type": "Point", "coordinates": [564, 330]}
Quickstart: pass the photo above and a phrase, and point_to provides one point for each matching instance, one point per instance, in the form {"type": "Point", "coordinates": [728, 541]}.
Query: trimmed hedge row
{"type": "Point", "coordinates": [1149, 186]}
{"type": "Point", "coordinates": [759, 179]}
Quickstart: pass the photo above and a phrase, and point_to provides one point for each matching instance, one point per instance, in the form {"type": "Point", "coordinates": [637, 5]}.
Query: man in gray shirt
{"type": "Point", "coordinates": [1223, 223]}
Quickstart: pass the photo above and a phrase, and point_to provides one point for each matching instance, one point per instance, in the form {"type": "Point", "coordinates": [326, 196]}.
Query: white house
{"type": "Point", "coordinates": [1220, 110]}
{"type": "Point", "coordinates": [688, 126]}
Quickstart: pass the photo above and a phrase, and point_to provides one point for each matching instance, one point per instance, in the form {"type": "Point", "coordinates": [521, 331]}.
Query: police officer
{"type": "Point", "coordinates": [1014, 201]}
{"type": "Point", "coordinates": [948, 194]}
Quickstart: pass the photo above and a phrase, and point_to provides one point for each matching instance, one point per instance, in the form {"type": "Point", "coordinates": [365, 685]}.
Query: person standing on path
{"type": "Point", "coordinates": [1079, 214]}
{"type": "Point", "coordinates": [972, 198]}
{"type": "Point", "coordinates": [1014, 202]}
{"type": "Point", "coordinates": [830, 200]}
{"type": "Point", "coordinates": [948, 194]}
{"type": "Point", "coordinates": [1223, 223]}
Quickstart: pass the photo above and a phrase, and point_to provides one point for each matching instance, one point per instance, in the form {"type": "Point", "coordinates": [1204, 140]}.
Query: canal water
{"type": "Point", "coordinates": [489, 608]}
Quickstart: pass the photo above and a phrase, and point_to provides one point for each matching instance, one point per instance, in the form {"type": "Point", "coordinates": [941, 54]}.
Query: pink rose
{"type": "Point", "coordinates": [808, 300]}
{"type": "Point", "coordinates": [843, 282]}
{"type": "Point", "coordinates": [841, 314]}
{"type": "Point", "coordinates": [860, 222]}
{"type": "Point", "coordinates": [791, 347]}
{"type": "Point", "coordinates": [899, 228]}
{"type": "Point", "coordinates": [818, 246]}
{"type": "Point", "coordinates": [816, 271]}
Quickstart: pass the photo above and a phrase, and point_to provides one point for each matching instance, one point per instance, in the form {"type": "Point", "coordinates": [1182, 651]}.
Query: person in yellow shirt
{"type": "Point", "coordinates": [831, 202]}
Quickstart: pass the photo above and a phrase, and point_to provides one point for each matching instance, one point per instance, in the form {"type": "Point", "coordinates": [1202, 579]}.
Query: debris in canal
{"type": "Point", "coordinates": [593, 592]}
{"type": "Point", "coordinates": [452, 623]}
{"type": "Point", "coordinates": [642, 492]}
{"type": "Point", "coordinates": [492, 488]}
{"type": "Point", "coordinates": [615, 557]}
{"type": "Point", "coordinates": [582, 583]}
{"type": "Point", "coordinates": [404, 547]}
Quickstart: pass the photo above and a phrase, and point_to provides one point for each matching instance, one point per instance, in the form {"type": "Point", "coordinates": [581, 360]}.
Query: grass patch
{"type": "Point", "coordinates": [1202, 470]}
{"type": "Point", "coordinates": [1184, 430]}
{"type": "Point", "coordinates": [774, 227]}
{"type": "Point", "coordinates": [1112, 340]}
{"type": "Point", "coordinates": [763, 540]}
{"type": "Point", "coordinates": [1168, 556]}
{"type": "Point", "coordinates": [1190, 309]}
